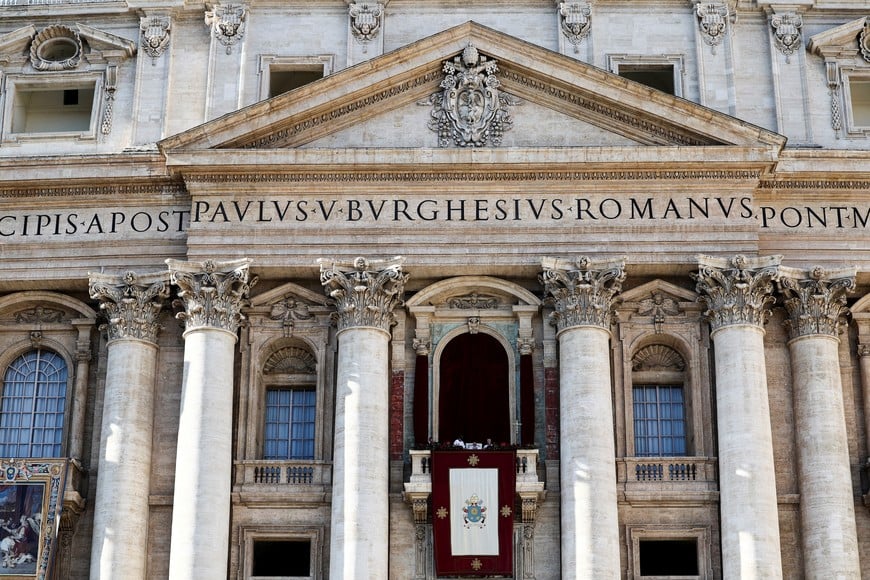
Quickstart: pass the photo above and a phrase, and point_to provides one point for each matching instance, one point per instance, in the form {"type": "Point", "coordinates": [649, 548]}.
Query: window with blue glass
{"type": "Point", "coordinates": [32, 405]}
{"type": "Point", "coordinates": [659, 421]}
{"type": "Point", "coordinates": [290, 416]}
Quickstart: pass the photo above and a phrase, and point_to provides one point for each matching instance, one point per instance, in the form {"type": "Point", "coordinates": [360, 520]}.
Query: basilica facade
{"type": "Point", "coordinates": [415, 290]}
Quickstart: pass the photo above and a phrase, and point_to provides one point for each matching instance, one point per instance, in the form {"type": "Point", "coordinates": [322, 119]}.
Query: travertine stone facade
{"type": "Point", "coordinates": [645, 221]}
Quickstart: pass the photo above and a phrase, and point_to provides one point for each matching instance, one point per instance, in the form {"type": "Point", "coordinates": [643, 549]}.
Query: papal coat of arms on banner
{"type": "Point", "coordinates": [475, 512]}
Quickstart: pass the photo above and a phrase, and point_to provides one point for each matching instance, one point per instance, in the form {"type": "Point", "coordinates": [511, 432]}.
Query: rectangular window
{"type": "Point", "coordinates": [282, 81]}
{"type": "Point", "coordinates": [659, 421]}
{"type": "Point", "coordinates": [53, 110]}
{"type": "Point", "coordinates": [669, 558]}
{"type": "Point", "coordinates": [659, 77]}
{"type": "Point", "coordinates": [859, 93]}
{"type": "Point", "coordinates": [289, 432]}
{"type": "Point", "coordinates": [282, 558]}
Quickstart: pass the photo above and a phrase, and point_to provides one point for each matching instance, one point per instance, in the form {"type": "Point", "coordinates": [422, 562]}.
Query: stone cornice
{"type": "Point", "coordinates": [815, 299]}
{"type": "Point", "coordinates": [736, 290]}
{"type": "Point", "coordinates": [364, 292]}
{"type": "Point", "coordinates": [133, 191]}
{"type": "Point", "coordinates": [131, 302]}
{"type": "Point", "coordinates": [581, 292]}
{"type": "Point", "coordinates": [212, 292]}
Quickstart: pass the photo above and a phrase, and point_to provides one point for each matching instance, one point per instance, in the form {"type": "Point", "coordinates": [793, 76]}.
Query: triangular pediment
{"type": "Point", "coordinates": [553, 101]}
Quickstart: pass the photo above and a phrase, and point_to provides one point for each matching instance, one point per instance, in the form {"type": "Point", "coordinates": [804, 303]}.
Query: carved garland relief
{"type": "Point", "coordinates": [575, 20]}
{"type": "Point", "coordinates": [787, 32]}
{"type": "Point", "coordinates": [155, 35]}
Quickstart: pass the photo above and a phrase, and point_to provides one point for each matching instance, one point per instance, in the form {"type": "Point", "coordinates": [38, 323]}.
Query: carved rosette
{"type": "Point", "coordinates": [470, 110]}
{"type": "Point", "coordinates": [713, 22]}
{"type": "Point", "coordinates": [364, 292]}
{"type": "Point", "coordinates": [575, 20]}
{"type": "Point", "coordinates": [131, 302]}
{"type": "Point", "coordinates": [582, 293]}
{"type": "Point", "coordinates": [212, 293]}
{"type": "Point", "coordinates": [787, 32]}
{"type": "Point", "coordinates": [736, 290]}
{"type": "Point", "coordinates": [815, 300]}
{"type": "Point", "coordinates": [155, 35]}
{"type": "Point", "coordinates": [227, 22]}
{"type": "Point", "coordinates": [365, 20]}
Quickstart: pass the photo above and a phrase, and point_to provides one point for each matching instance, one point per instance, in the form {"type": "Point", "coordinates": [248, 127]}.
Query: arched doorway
{"type": "Point", "coordinates": [474, 398]}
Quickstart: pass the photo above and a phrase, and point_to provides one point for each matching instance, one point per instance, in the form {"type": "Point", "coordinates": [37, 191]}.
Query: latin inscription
{"type": "Point", "coordinates": [413, 210]}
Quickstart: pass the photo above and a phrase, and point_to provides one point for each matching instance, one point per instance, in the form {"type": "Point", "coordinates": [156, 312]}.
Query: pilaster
{"type": "Point", "coordinates": [212, 294]}
{"type": "Point", "coordinates": [737, 293]}
{"type": "Point", "coordinates": [788, 64]}
{"type": "Point", "coordinates": [714, 54]}
{"type": "Point", "coordinates": [152, 76]}
{"type": "Point", "coordinates": [364, 293]}
{"type": "Point", "coordinates": [815, 301]}
{"type": "Point", "coordinates": [582, 294]}
{"type": "Point", "coordinates": [132, 304]}
{"type": "Point", "coordinates": [228, 25]}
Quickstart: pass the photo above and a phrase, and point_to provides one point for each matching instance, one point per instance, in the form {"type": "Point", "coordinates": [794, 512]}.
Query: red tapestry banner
{"type": "Point", "coordinates": [473, 511]}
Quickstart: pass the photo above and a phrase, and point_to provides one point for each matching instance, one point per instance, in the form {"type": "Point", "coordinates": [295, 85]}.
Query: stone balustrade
{"type": "Point", "coordinates": [304, 480]}
{"type": "Point", "coordinates": [683, 479]}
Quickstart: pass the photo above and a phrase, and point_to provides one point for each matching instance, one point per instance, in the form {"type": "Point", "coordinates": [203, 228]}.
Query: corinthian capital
{"type": "Point", "coordinates": [582, 292]}
{"type": "Point", "coordinates": [364, 292]}
{"type": "Point", "coordinates": [212, 293]}
{"type": "Point", "coordinates": [815, 299]}
{"type": "Point", "coordinates": [132, 303]}
{"type": "Point", "coordinates": [736, 290]}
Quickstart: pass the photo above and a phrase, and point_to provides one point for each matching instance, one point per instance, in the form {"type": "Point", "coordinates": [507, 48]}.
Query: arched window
{"type": "Point", "coordinates": [290, 374]}
{"type": "Point", "coordinates": [32, 405]}
{"type": "Point", "coordinates": [474, 395]}
{"type": "Point", "coordinates": [659, 402]}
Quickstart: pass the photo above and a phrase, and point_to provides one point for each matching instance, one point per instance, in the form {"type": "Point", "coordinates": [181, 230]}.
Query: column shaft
{"type": "Point", "coordinates": [590, 531]}
{"type": "Point", "coordinates": [827, 506]}
{"type": "Point", "coordinates": [121, 508]}
{"type": "Point", "coordinates": [201, 504]}
{"type": "Point", "coordinates": [120, 538]}
{"type": "Point", "coordinates": [360, 506]}
{"type": "Point", "coordinates": [750, 517]}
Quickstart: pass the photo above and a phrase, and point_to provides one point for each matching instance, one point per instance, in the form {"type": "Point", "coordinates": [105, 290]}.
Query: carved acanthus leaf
{"type": "Point", "coordinates": [736, 290]}
{"type": "Point", "coordinates": [131, 302]}
{"type": "Point", "coordinates": [470, 110]}
{"type": "Point", "coordinates": [815, 300]}
{"type": "Point", "coordinates": [364, 292]}
{"type": "Point", "coordinates": [212, 293]}
{"type": "Point", "coordinates": [582, 295]}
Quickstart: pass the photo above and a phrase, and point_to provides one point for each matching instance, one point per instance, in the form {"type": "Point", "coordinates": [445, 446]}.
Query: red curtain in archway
{"type": "Point", "coordinates": [473, 397]}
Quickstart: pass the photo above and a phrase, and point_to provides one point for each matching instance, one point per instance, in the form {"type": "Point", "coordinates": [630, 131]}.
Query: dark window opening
{"type": "Point", "coordinates": [71, 97]}
{"type": "Point", "coordinates": [281, 81]}
{"type": "Point", "coordinates": [668, 558]}
{"type": "Point", "coordinates": [282, 558]}
{"type": "Point", "coordinates": [659, 77]}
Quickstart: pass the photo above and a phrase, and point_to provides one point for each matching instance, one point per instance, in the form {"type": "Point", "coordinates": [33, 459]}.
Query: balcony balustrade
{"type": "Point", "coordinates": [297, 481]}
{"type": "Point", "coordinates": [668, 479]}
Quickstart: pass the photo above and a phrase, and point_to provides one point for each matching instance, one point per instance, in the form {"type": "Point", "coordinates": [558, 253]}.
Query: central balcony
{"type": "Point", "coordinates": [667, 480]}
{"type": "Point", "coordinates": [293, 481]}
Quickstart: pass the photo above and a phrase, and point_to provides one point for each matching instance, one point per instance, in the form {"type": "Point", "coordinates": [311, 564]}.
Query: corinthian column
{"type": "Point", "coordinates": [132, 305]}
{"type": "Point", "coordinates": [364, 294]}
{"type": "Point", "coordinates": [582, 294]}
{"type": "Point", "coordinates": [815, 302]}
{"type": "Point", "coordinates": [213, 294]}
{"type": "Point", "coordinates": [737, 294]}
